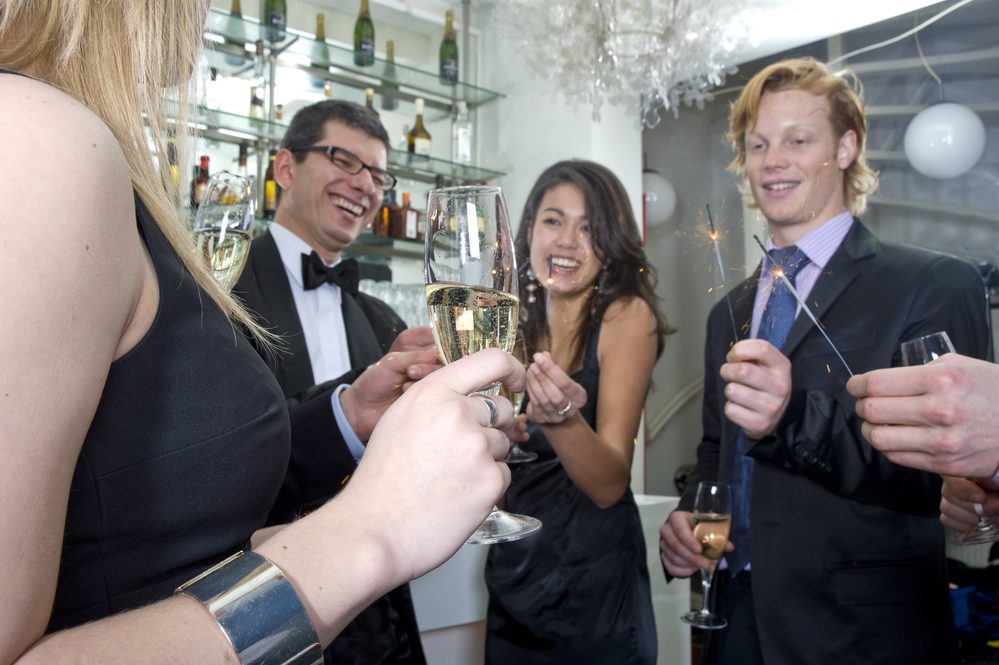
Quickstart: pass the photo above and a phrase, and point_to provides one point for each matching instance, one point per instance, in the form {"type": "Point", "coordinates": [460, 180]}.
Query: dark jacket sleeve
{"type": "Point", "coordinates": [819, 435]}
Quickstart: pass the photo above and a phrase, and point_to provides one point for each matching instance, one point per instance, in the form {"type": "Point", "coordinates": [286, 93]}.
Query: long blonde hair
{"type": "Point", "coordinates": [129, 62]}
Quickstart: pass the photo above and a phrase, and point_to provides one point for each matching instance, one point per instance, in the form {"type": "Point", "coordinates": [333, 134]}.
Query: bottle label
{"type": "Point", "coordinates": [449, 70]}
{"type": "Point", "coordinates": [366, 46]}
{"type": "Point", "coordinates": [199, 192]}
{"type": "Point", "coordinates": [411, 230]}
{"type": "Point", "coordinates": [461, 146]}
{"type": "Point", "coordinates": [277, 20]}
{"type": "Point", "coordinates": [421, 147]}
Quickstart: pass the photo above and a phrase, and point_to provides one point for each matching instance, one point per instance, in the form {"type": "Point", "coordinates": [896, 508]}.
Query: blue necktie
{"type": "Point", "coordinates": [778, 317]}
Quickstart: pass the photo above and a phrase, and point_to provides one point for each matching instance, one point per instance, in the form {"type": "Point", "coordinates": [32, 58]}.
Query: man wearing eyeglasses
{"type": "Point", "coordinates": [331, 169]}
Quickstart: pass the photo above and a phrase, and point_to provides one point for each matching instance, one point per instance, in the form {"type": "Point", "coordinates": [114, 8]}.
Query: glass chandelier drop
{"type": "Point", "coordinates": [649, 54]}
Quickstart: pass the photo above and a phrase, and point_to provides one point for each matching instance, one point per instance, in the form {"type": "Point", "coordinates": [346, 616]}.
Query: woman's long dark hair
{"type": "Point", "coordinates": [626, 273]}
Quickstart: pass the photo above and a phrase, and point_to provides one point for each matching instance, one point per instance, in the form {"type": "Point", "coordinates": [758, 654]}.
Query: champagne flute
{"type": "Point", "coordinates": [518, 455]}
{"type": "Point", "coordinates": [222, 225]}
{"type": "Point", "coordinates": [926, 349]}
{"type": "Point", "coordinates": [471, 284]}
{"type": "Point", "coordinates": [712, 519]}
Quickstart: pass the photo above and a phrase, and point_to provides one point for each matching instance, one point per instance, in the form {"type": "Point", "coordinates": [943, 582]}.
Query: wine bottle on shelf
{"type": "Point", "coordinates": [272, 192]}
{"type": "Point", "coordinates": [418, 138]}
{"type": "Point", "coordinates": [235, 35]}
{"type": "Point", "coordinates": [320, 52]}
{"type": "Point", "coordinates": [389, 101]}
{"type": "Point", "coordinates": [257, 86]}
{"type": "Point", "coordinates": [171, 151]}
{"type": "Point", "coordinates": [241, 167]}
{"type": "Point", "coordinates": [275, 19]}
{"type": "Point", "coordinates": [199, 183]}
{"type": "Point", "coordinates": [449, 52]}
{"type": "Point", "coordinates": [381, 225]}
{"type": "Point", "coordinates": [364, 37]}
{"type": "Point", "coordinates": [328, 90]}
{"type": "Point", "coordinates": [369, 99]}
{"type": "Point", "coordinates": [461, 136]}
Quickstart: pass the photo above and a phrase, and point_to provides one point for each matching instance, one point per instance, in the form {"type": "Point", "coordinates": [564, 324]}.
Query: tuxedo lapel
{"type": "Point", "coordinates": [362, 342]}
{"type": "Point", "coordinates": [841, 270]}
{"type": "Point", "coordinates": [278, 305]}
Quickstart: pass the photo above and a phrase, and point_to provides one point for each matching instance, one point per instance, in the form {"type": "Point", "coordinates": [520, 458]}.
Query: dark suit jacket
{"type": "Point", "coordinates": [848, 559]}
{"type": "Point", "coordinates": [320, 461]}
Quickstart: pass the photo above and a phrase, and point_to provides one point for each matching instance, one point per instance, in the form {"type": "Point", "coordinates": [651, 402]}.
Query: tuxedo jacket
{"type": "Point", "coordinates": [320, 462]}
{"type": "Point", "coordinates": [847, 553]}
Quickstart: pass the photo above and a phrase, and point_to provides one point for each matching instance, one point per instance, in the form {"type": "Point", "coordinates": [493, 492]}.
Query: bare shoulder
{"type": "Point", "coordinates": [67, 199]}
{"type": "Point", "coordinates": [628, 312]}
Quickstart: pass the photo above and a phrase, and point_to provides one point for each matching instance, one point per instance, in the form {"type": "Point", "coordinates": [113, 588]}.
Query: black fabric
{"type": "Point", "coordinates": [578, 590]}
{"type": "Point", "coordinates": [182, 461]}
{"type": "Point", "coordinates": [315, 273]}
{"type": "Point", "coordinates": [739, 642]}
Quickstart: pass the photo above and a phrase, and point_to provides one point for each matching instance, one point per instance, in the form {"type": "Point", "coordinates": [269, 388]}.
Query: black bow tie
{"type": "Point", "coordinates": [315, 273]}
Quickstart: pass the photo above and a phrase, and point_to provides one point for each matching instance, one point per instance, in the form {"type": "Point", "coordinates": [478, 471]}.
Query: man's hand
{"type": "Point", "coordinates": [939, 417]}
{"type": "Point", "coordinates": [758, 386]}
{"type": "Point", "coordinates": [679, 550]}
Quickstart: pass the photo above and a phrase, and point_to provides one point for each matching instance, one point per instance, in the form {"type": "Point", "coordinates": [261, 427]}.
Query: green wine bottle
{"type": "Point", "coordinates": [275, 19]}
{"type": "Point", "coordinates": [364, 38]}
{"type": "Point", "coordinates": [389, 101]}
{"type": "Point", "coordinates": [320, 52]}
{"type": "Point", "coordinates": [449, 52]}
{"type": "Point", "coordinates": [235, 34]}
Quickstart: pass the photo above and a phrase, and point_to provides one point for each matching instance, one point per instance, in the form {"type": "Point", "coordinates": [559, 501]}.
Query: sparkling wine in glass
{"type": "Point", "coordinates": [222, 226]}
{"type": "Point", "coordinates": [518, 455]}
{"type": "Point", "coordinates": [712, 519]}
{"type": "Point", "coordinates": [471, 284]}
{"type": "Point", "coordinates": [923, 350]}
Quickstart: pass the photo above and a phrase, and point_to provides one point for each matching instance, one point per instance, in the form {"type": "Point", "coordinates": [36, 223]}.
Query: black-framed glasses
{"type": "Point", "coordinates": [352, 164]}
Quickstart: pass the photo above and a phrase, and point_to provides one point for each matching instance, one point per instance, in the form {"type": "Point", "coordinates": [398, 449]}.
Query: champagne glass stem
{"type": "Point", "coordinates": [705, 591]}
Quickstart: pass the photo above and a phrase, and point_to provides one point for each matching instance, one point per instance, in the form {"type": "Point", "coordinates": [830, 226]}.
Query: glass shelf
{"type": "Point", "coordinates": [369, 245]}
{"type": "Point", "coordinates": [227, 33]}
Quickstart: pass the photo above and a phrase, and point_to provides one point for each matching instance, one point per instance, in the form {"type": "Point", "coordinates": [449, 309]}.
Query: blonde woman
{"type": "Point", "coordinates": [143, 441]}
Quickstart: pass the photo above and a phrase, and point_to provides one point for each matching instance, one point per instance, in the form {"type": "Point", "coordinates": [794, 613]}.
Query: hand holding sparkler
{"type": "Point", "coordinates": [758, 389]}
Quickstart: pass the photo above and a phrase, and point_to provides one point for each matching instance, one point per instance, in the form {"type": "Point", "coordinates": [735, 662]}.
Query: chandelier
{"type": "Point", "coordinates": [646, 55]}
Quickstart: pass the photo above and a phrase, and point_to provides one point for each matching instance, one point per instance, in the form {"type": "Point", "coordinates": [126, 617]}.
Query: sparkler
{"type": "Point", "coordinates": [548, 291]}
{"type": "Point", "coordinates": [721, 271]}
{"type": "Point", "coordinates": [804, 307]}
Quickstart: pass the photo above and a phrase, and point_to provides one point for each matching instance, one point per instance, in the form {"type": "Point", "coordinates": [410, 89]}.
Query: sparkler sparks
{"type": "Point", "coordinates": [713, 235]}
{"type": "Point", "coordinates": [778, 273]}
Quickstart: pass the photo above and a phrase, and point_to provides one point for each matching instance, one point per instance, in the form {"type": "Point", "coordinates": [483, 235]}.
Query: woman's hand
{"type": "Point", "coordinates": [554, 396]}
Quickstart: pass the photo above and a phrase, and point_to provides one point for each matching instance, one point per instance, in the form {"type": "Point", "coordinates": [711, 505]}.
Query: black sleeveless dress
{"type": "Point", "coordinates": [183, 460]}
{"type": "Point", "coordinates": [577, 591]}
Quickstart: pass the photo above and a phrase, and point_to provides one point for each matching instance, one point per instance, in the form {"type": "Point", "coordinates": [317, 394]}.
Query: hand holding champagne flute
{"type": "Point", "coordinates": [923, 350]}
{"type": "Point", "coordinates": [471, 280]}
{"type": "Point", "coordinates": [712, 519]}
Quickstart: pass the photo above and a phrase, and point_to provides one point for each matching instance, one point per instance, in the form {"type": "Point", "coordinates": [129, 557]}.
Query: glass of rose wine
{"type": "Point", "coordinates": [712, 519]}
{"type": "Point", "coordinates": [222, 225]}
{"type": "Point", "coordinates": [518, 455]}
{"type": "Point", "coordinates": [470, 274]}
{"type": "Point", "coordinates": [923, 350]}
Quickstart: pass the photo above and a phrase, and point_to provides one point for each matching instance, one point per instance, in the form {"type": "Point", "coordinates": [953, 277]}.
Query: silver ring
{"type": "Point", "coordinates": [564, 411]}
{"type": "Point", "coordinates": [493, 411]}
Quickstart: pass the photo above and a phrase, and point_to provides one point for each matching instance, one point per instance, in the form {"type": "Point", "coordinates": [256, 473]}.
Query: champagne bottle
{"type": "Point", "coordinates": [449, 52]}
{"type": "Point", "coordinates": [275, 19]}
{"type": "Point", "coordinates": [171, 151]}
{"type": "Point", "coordinates": [328, 90]}
{"type": "Point", "coordinates": [369, 99]}
{"type": "Point", "coordinates": [364, 38]}
{"type": "Point", "coordinates": [418, 139]}
{"type": "Point", "coordinates": [320, 52]}
{"type": "Point", "coordinates": [199, 183]}
{"type": "Point", "coordinates": [461, 136]}
{"type": "Point", "coordinates": [271, 190]}
{"type": "Point", "coordinates": [235, 34]}
{"type": "Point", "coordinates": [257, 86]}
{"type": "Point", "coordinates": [390, 102]}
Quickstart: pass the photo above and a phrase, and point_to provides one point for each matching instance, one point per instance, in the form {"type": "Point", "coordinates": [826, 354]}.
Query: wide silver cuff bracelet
{"type": "Point", "coordinates": [258, 610]}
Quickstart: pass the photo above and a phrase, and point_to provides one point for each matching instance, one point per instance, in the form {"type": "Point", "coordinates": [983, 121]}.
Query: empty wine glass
{"type": "Point", "coordinates": [712, 519]}
{"type": "Point", "coordinates": [923, 350]}
{"type": "Point", "coordinates": [518, 455]}
{"type": "Point", "coordinates": [471, 284]}
{"type": "Point", "coordinates": [222, 225]}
